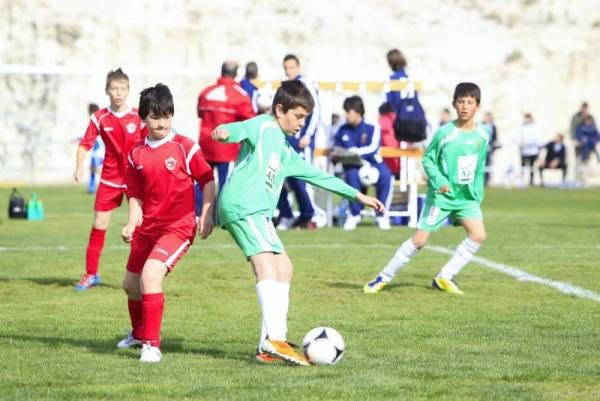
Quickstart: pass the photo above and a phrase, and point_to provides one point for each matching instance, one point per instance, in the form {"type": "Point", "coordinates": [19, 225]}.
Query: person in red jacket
{"type": "Point", "coordinates": [221, 103]}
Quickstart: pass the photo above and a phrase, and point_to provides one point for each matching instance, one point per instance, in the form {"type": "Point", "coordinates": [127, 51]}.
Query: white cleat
{"type": "Point", "coordinates": [129, 341]}
{"type": "Point", "coordinates": [351, 222]}
{"type": "Point", "coordinates": [383, 222]}
{"type": "Point", "coordinates": [150, 354]}
{"type": "Point", "coordinates": [285, 223]}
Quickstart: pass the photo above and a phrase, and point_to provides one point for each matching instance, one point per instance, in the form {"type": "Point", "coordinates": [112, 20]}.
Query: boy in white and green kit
{"type": "Point", "coordinates": [249, 198]}
{"type": "Point", "coordinates": [455, 165]}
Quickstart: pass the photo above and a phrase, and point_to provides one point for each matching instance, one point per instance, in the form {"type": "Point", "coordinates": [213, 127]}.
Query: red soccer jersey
{"type": "Point", "coordinates": [119, 131]}
{"type": "Point", "coordinates": [161, 174]}
{"type": "Point", "coordinates": [221, 103]}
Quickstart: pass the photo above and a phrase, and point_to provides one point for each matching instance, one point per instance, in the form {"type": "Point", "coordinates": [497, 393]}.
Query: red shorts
{"type": "Point", "coordinates": [168, 248]}
{"type": "Point", "coordinates": [108, 198]}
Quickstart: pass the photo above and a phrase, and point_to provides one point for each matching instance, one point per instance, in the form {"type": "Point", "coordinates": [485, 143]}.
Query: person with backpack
{"type": "Point", "coordinates": [410, 124]}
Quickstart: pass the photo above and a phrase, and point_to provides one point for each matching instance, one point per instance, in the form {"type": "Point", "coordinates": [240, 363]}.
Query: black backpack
{"type": "Point", "coordinates": [410, 124]}
{"type": "Point", "coordinates": [17, 207]}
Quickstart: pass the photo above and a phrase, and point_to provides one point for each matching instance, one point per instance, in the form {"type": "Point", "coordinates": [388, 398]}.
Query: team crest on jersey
{"type": "Point", "coordinates": [364, 138]}
{"type": "Point", "coordinates": [170, 163]}
{"type": "Point", "coordinates": [131, 127]}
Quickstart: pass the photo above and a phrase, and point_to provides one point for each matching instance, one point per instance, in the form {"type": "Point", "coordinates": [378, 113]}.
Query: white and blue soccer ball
{"type": "Point", "coordinates": [323, 346]}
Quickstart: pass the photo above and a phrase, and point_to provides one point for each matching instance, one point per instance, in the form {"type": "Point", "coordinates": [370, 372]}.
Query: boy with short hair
{"type": "Point", "coordinates": [160, 186]}
{"type": "Point", "coordinates": [249, 197]}
{"type": "Point", "coordinates": [455, 165]}
{"type": "Point", "coordinates": [363, 139]}
{"type": "Point", "coordinates": [120, 128]}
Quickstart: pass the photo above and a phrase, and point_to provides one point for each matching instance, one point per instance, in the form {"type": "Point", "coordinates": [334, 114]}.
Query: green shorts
{"type": "Point", "coordinates": [255, 234]}
{"type": "Point", "coordinates": [432, 218]}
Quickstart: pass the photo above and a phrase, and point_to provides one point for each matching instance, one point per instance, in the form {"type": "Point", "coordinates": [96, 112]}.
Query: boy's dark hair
{"type": "Point", "coordinates": [386, 108]}
{"type": "Point", "coordinates": [292, 94]}
{"type": "Point", "coordinates": [354, 103]}
{"type": "Point", "coordinates": [251, 70]}
{"type": "Point", "coordinates": [116, 75]}
{"type": "Point", "coordinates": [92, 108]}
{"type": "Point", "coordinates": [396, 59]}
{"type": "Point", "coordinates": [467, 89]}
{"type": "Point", "coordinates": [157, 100]}
{"type": "Point", "coordinates": [229, 69]}
{"type": "Point", "coordinates": [291, 57]}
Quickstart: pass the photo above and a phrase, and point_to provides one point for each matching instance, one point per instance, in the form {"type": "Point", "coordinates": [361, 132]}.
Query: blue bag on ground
{"type": "Point", "coordinates": [35, 209]}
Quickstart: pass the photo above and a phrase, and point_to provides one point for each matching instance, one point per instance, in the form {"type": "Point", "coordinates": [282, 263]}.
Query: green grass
{"type": "Point", "coordinates": [503, 340]}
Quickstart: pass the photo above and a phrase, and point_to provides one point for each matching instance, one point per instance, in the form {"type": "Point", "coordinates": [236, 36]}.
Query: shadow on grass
{"type": "Point", "coordinates": [108, 346]}
{"type": "Point", "coordinates": [358, 287]}
{"type": "Point", "coordinates": [60, 282]}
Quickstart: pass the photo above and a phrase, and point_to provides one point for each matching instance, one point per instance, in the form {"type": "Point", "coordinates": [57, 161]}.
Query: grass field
{"type": "Point", "coordinates": [504, 340]}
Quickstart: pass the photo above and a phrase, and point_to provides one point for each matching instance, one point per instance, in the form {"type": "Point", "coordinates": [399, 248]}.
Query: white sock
{"type": "Point", "coordinates": [400, 258]}
{"type": "Point", "coordinates": [283, 302]}
{"type": "Point", "coordinates": [463, 255]}
{"type": "Point", "coordinates": [268, 298]}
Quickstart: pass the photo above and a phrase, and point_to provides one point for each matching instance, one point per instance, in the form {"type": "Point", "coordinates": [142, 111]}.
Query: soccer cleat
{"type": "Point", "coordinates": [87, 281]}
{"type": "Point", "coordinates": [383, 222]}
{"type": "Point", "coordinates": [263, 357]}
{"type": "Point", "coordinates": [150, 354]}
{"type": "Point", "coordinates": [351, 222]}
{"type": "Point", "coordinates": [285, 223]}
{"type": "Point", "coordinates": [374, 286]}
{"type": "Point", "coordinates": [443, 284]}
{"type": "Point", "coordinates": [283, 350]}
{"type": "Point", "coordinates": [129, 341]}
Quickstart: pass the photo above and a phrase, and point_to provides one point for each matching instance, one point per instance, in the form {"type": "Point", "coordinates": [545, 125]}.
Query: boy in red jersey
{"type": "Point", "coordinates": [120, 128]}
{"type": "Point", "coordinates": [160, 187]}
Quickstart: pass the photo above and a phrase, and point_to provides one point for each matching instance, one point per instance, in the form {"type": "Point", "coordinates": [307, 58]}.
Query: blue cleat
{"type": "Point", "coordinates": [87, 281]}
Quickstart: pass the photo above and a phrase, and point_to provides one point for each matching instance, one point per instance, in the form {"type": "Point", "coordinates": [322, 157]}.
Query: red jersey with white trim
{"type": "Point", "coordinates": [221, 103]}
{"type": "Point", "coordinates": [161, 174]}
{"type": "Point", "coordinates": [119, 131]}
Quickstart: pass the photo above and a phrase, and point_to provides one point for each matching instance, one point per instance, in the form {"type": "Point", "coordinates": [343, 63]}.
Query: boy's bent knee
{"type": "Point", "coordinates": [478, 237]}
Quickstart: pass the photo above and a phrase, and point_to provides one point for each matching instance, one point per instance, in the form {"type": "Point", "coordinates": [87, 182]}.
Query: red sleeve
{"type": "Point", "coordinates": [91, 133]}
{"type": "Point", "coordinates": [198, 106]}
{"type": "Point", "coordinates": [133, 180]}
{"type": "Point", "coordinates": [199, 168]}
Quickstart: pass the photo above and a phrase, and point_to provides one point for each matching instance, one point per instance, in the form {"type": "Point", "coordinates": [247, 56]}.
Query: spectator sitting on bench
{"type": "Point", "coordinates": [364, 139]}
{"type": "Point", "coordinates": [555, 157]}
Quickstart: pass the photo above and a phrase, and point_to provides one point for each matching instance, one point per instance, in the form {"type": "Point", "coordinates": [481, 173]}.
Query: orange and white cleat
{"type": "Point", "coordinates": [283, 350]}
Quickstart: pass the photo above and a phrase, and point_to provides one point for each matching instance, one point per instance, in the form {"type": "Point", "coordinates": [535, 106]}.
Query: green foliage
{"type": "Point", "coordinates": [503, 340]}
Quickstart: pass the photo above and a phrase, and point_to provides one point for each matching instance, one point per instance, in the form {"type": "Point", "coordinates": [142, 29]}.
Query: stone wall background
{"type": "Point", "coordinates": [527, 55]}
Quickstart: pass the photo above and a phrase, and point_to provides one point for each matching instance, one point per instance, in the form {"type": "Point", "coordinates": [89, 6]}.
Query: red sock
{"type": "Point", "coordinates": [153, 306]}
{"type": "Point", "coordinates": [94, 248]}
{"type": "Point", "coordinates": [136, 314]}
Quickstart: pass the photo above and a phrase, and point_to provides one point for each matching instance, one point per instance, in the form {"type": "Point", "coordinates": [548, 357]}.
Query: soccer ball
{"type": "Point", "coordinates": [323, 346]}
{"type": "Point", "coordinates": [368, 175]}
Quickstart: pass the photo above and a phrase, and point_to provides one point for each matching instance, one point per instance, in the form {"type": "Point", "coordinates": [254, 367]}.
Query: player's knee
{"type": "Point", "coordinates": [419, 241]}
{"type": "Point", "coordinates": [478, 237]}
{"type": "Point", "coordinates": [131, 288]}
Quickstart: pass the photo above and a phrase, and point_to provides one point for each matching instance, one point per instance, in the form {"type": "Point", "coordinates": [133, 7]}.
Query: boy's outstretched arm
{"type": "Point", "coordinates": [371, 202]}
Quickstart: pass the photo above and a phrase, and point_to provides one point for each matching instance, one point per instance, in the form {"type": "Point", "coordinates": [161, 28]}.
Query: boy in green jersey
{"type": "Point", "coordinates": [455, 166]}
{"type": "Point", "coordinates": [249, 197]}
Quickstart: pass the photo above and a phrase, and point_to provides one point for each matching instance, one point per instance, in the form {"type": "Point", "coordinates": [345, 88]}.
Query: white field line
{"type": "Point", "coordinates": [520, 275]}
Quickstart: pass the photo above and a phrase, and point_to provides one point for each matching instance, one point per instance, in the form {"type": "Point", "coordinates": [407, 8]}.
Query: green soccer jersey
{"type": "Point", "coordinates": [264, 161]}
{"type": "Point", "coordinates": [456, 158]}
